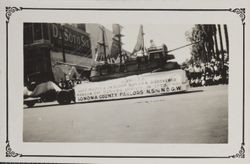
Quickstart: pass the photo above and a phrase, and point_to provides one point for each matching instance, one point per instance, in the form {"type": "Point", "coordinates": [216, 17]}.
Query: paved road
{"type": "Point", "coordinates": [200, 116]}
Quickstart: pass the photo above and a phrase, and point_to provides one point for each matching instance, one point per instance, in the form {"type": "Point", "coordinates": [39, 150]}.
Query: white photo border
{"type": "Point", "coordinates": [241, 12]}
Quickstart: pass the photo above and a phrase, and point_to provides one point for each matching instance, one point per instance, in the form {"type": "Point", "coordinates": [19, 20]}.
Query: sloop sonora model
{"type": "Point", "coordinates": [116, 74]}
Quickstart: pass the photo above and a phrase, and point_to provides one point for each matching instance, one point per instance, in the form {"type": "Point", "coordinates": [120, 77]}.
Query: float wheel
{"type": "Point", "coordinates": [64, 97]}
{"type": "Point", "coordinates": [30, 103]}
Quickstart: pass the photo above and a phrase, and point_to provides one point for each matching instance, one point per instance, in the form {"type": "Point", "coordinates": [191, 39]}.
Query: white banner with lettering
{"type": "Point", "coordinates": [148, 84]}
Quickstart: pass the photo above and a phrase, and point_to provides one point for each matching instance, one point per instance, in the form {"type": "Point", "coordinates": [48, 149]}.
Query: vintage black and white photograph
{"type": "Point", "coordinates": [125, 83]}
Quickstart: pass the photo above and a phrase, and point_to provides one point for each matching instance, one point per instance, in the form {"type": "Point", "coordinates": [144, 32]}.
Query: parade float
{"type": "Point", "coordinates": [115, 74]}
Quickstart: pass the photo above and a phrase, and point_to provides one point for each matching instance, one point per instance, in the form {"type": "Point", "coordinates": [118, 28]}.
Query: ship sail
{"type": "Point", "coordinates": [140, 41]}
{"type": "Point", "coordinates": [115, 50]}
{"type": "Point", "coordinates": [116, 29]}
{"type": "Point", "coordinates": [102, 47]}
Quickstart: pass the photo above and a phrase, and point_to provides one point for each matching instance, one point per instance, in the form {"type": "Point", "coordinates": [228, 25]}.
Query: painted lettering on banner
{"type": "Point", "coordinates": [135, 86]}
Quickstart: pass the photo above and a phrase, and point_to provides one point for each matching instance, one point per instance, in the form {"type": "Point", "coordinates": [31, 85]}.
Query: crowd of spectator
{"type": "Point", "coordinates": [206, 74]}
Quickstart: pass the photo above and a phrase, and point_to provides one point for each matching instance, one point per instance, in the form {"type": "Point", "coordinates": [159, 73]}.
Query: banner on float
{"type": "Point", "coordinates": [148, 84]}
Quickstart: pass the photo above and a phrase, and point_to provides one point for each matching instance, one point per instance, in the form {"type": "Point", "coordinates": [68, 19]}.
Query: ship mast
{"type": "Point", "coordinates": [104, 45]}
{"type": "Point", "coordinates": [120, 46]}
{"type": "Point", "coordinates": [143, 53]}
{"type": "Point", "coordinates": [117, 38]}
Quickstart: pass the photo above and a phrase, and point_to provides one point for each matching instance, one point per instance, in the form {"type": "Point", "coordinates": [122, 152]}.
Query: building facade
{"type": "Point", "coordinates": [47, 44]}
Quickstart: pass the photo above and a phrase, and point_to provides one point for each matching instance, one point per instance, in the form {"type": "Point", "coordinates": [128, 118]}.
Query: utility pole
{"type": "Point", "coordinates": [226, 37]}
{"type": "Point", "coordinates": [63, 49]}
{"type": "Point", "coordinates": [222, 54]}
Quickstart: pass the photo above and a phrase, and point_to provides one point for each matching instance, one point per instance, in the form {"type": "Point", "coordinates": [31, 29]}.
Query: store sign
{"type": "Point", "coordinates": [72, 40]}
{"type": "Point", "coordinates": [133, 86]}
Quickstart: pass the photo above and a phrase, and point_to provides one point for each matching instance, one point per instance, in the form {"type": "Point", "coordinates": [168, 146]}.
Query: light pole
{"type": "Point", "coordinates": [63, 50]}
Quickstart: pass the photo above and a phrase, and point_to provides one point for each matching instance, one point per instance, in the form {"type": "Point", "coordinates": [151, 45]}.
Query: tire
{"type": "Point", "coordinates": [30, 103]}
{"type": "Point", "coordinates": [64, 97]}
{"type": "Point", "coordinates": [49, 96]}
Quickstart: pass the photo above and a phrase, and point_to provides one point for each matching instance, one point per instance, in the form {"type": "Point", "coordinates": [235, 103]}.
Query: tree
{"type": "Point", "coordinates": [204, 49]}
{"type": "Point", "coordinates": [207, 46]}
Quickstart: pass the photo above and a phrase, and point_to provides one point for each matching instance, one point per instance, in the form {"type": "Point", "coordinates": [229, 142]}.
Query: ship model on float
{"type": "Point", "coordinates": [118, 63]}
{"type": "Point", "coordinates": [118, 75]}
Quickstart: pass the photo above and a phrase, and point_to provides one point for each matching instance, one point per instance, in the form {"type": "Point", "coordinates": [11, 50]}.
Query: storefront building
{"type": "Point", "coordinates": [48, 44]}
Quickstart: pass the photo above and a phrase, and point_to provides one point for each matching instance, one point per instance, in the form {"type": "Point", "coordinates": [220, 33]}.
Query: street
{"type": "Point", "coordinates": [197, 116]}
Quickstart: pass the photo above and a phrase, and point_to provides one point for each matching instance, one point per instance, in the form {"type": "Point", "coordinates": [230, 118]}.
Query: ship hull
{"type": "Point", "coordinates": [113, 71]}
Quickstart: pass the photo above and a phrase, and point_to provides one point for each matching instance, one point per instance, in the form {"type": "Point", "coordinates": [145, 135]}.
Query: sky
{"type": "Point", "coordinates": [173, 35]}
